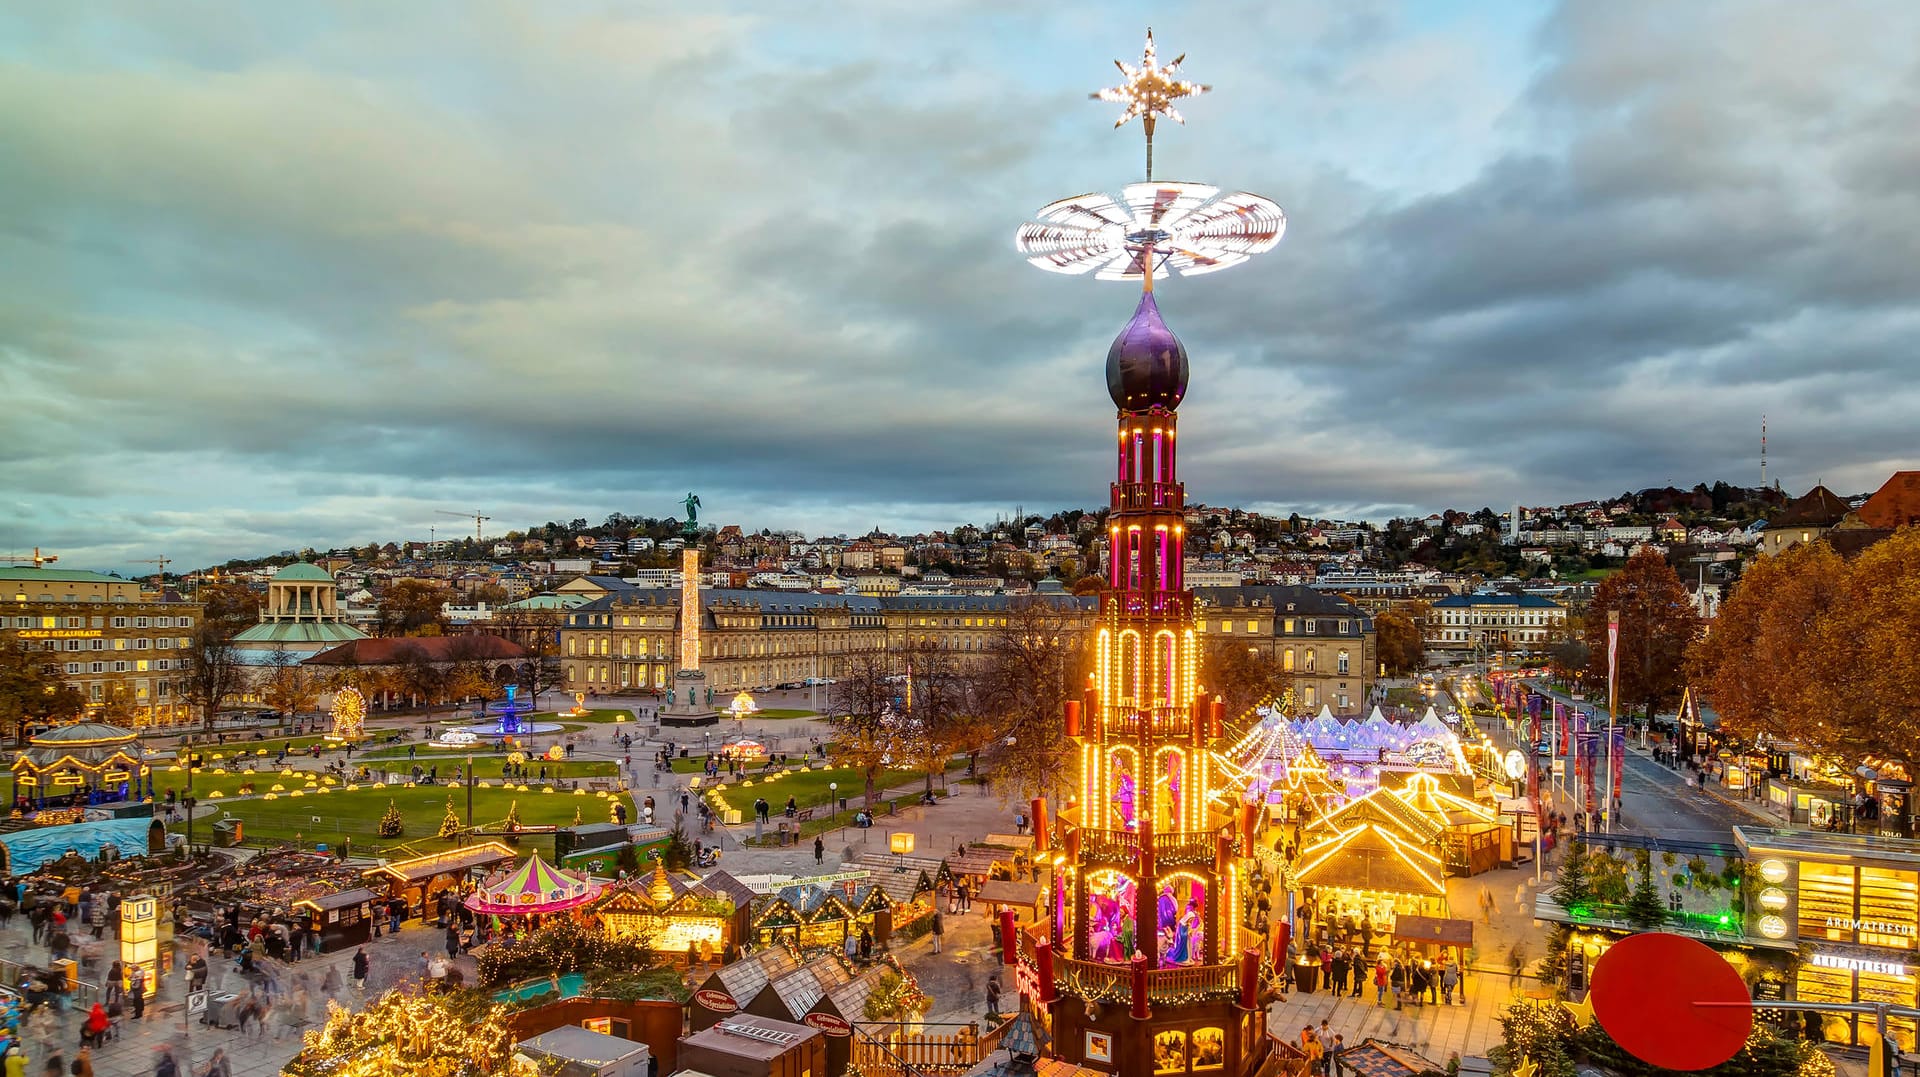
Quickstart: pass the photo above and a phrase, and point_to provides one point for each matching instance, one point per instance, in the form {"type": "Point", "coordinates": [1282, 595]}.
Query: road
{"type": "Point", "coordinates": [1655, 800]}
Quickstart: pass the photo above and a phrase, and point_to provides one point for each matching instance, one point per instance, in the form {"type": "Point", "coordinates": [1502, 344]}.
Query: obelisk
{"type": "Point", "coordinates": [689, 705]}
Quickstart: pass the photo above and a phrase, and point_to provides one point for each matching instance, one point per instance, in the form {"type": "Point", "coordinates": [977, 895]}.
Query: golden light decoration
{"type": "Point", "coordinates": [1774, 871]}
{"type": "Point", "coordinates": [1149, 90]}
{"type": "Point", "coordinates": [215, 793]}
{"type": "Point", "coordinates": [278, 788]}
{"type": "Point", "coordinates": [349, 715]}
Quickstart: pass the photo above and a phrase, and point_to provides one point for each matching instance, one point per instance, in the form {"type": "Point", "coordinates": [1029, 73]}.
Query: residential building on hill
{"type": "Point", "coordinates": [1804, 519]}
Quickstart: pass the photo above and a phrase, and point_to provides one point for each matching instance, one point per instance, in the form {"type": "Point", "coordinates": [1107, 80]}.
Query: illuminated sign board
{"type": "Point", "coordinates": [59, 633]}
{"type": "Point", "coordinates": [1857, 964]}
{"type": "Point", "coordinates": [1871, 927]}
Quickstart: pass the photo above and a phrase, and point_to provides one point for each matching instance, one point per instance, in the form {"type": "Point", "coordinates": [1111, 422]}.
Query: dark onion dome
{"type": "Point", "coordinates": [1147, 364]}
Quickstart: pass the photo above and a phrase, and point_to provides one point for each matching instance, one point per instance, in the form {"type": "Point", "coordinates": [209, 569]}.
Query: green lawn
{"type": "Point", "coordinates": [356, 815]}
{"type": "Point", "coordinates": [809, 790]}
{"type": "Point", "coordinates": [783, 712]}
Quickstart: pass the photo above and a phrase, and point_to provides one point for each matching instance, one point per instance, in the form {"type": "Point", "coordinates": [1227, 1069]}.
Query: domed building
{"type": "Point", "coordinates": [302, 614]}
{"type": "Point", "coordinates": [301, 618]}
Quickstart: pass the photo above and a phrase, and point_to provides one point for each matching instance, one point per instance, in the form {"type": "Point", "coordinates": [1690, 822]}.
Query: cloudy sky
{"type": "Point", "coordinates": [283, 274]}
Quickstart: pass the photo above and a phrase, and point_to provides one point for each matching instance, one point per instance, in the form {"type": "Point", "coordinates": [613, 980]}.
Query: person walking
{"type": "Point", "coordinates": [360, 968]}
{"type": "Point", "coordinates": [939, 929]}
{"type": "Point", "coordinates": [1380, 982]}
{"type": "Point", "coordinates": [217, 1064]}
{"type": "Point", "coordinates": [83, 1063]}
{"type": "Point", "coordinates": [993, 996]}
{"type": "Point", "coordinates": [1449, 981]}
{"type": "Point", "coordinates": [137, 989]}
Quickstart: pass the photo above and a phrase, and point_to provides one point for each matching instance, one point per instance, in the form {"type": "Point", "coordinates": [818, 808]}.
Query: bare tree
{"type": "Point", "coordinates": [1242, 678]}
{"type": "Point", "coordinates": [213, 673]}
{"type": "Point", "coordinates": [936, 715]}
{"type": "Point", "coordinates": [862, 701]}
{"type": "Point", "coordinates": [1039, 661]}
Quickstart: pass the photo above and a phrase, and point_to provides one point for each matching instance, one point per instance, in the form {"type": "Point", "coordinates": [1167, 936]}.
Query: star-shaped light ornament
{"type": "Point", "coordinates": [1581, 1012]}
{"type": "Point", "coordinates": [1526, 1067]}
{"type": "Point", "coordinates": [1149, 92]}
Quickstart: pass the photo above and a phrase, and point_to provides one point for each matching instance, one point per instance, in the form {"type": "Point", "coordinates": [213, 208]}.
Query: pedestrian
{"type": "Point", "coordinates": [330, 983]}
{"type": "Point", "coordinates": [163, 1065]}
{"type": "Point", "coordinates": [55, 1064]}
{"type": "Point", "coordinates": [83, 1063]}
{"type": "Point", "coordinates": [453, 942]}
{"type": "Point", "coordinates": [1449, 981]}
{"type": "Point", "coordinates": [426, 966]}
{"type": "Point", "coordinates": [360, 966]}
{"type": "Point", "coordinates": [819, 850]}
{"type": "Point", "coordinates": [217, 1065]}
{"type": "Point", "coordinates": [993, 996]}
{"type": "Point", "coordinates": [939, 930]}
{"type": "Point", "coordinates": [137, 989]}
{"type": "Point", "coordinates": [1380, 983]}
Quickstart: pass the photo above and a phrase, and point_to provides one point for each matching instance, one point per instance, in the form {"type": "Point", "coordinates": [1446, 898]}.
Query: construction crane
{"type": "Point", "coordinates": [38, 559]}
{"type": "Point", "coordinates": [160, 572]}
{"type": "Point", "coordinates": [478, 519]}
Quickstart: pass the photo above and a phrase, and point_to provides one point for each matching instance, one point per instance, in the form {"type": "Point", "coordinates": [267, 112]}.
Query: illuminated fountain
{"type": "Point", "coordinates": [509, 718]}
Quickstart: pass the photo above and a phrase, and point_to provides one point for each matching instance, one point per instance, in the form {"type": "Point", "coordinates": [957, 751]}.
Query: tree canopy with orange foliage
{"type": "Point", "coordinates": [1823, 651]}
{"type": "Point", "coordinates": [1657, 625]}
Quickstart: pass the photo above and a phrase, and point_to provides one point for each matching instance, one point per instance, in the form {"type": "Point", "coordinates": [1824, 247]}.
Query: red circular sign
{"type": "Point", "coordinates": [717, 1001]}
{"type": "Point", "coordinates": [828, 1023]}
{"type": "Point", "coordinates": [1671, 1001]}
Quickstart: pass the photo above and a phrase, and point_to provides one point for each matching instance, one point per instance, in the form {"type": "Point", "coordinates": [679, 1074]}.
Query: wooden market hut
{"type": "Point", "coordinates": [822, 994]}
{"type": "Point", "coordinates": [419, 880]}
{"type": "Point", "coordinates": [730, 986]}
{"type": "Point", "coordinates": [1366, 876]}
{"type": "Point", "coordinates": [815, 916]}
{"type": "Point", "coordinates": [340, 921]}
{"type": "Point", "coordinates": [710, 915]}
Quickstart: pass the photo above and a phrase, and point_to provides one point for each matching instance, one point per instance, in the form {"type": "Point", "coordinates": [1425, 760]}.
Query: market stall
{"type": "Point", "coordinates": [418, 881]}
{"type": "Point", "coordinates": [340, 921]}
{"type": "Point", "coordinates": [536, 888]}
{"type": "Point", "coordinates": [703, 919]}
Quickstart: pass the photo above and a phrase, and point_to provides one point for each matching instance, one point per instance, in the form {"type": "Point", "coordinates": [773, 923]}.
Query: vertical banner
{"type": "Point", "coordinates": [1613, 653]}
{"type": "Point", "coordinates": [1619, 760]}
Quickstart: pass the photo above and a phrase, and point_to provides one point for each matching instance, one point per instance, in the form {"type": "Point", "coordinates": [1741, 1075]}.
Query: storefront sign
{"type": "Point", "coordinates": [717, 1001]}
{"type": "Point", "coordinates": [1857, 964]}
{"type": "Point", "coordinates": [59, 633]}
{"type": "Point", "coordinates": [1872, 927]}
{"type": "Point", "coordinates": [828, 1023]}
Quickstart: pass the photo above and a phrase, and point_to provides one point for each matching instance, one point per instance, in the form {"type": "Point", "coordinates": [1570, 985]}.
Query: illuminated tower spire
{"type": "Point", "coordinates": [1147, 900]}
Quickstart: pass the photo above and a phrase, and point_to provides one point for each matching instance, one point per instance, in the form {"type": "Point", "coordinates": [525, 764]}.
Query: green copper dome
{"type": "Point", "coordinates": [301, 571]}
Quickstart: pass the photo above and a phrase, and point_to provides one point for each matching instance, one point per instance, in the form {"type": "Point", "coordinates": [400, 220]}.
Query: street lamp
{"type": "Point", "coordinates": [901, 844]}
{"type": "Point", "coordinates": [833, 798]}
{"type": "Point", "coordinates": [189, 801]}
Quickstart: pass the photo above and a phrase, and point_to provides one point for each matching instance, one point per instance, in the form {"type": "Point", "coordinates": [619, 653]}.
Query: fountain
{"type": "Point", "coordinates": [509, 719]}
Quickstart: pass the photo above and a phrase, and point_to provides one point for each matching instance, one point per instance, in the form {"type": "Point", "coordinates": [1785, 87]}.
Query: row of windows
{"type": "Point", "coordinates": [1480, 617]}
{"type": "Point", "coordinates": [1288, 626]}
{"type": "Point", "coordinates": [141, 643]}
{"type": "Point", "coordinates": [140, 665]}
{"type": "Point", "coordinates": [49, 621]}
{"type": "Point", "coordinates": [1453, 636]}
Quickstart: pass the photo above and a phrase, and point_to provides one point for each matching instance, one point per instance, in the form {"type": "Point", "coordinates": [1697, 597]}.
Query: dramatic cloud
{"type": "Point", "coordinates": [278, 275]}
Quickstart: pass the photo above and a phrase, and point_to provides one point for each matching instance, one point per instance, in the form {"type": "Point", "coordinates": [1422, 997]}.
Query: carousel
{"type": "Point", "coordinates": [78, 765]}
{"type": "Point", "coordinates": [535, 889]}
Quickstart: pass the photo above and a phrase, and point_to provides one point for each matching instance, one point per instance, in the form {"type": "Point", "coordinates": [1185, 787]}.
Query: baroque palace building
{"type": "Point", "coordinates": [107, 638]}
{"type": "Point", "coordinates": [628, 639]}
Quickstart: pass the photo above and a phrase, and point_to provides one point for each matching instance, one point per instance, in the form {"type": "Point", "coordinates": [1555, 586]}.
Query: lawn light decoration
{"type": "Point", "coordinates": [349, 715]}
{"type": "Point", "coordinates": [1151, 862]}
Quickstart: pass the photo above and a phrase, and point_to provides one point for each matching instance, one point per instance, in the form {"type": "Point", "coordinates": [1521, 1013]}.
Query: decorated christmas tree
{"type": "Point", "coordinates": [1644, 909]}
{"type": "Point", "coordinates": [449, 823]}
{"type": "Point", "coordinates": [391, 825]}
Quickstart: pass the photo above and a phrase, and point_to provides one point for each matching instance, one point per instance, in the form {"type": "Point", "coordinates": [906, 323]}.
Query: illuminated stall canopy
{"type": "Point", "coordinates": [677, 915]}
{"type": "Point", "coordinates": [537, 888]}
{"type": "Point", "coordinates": [91, 762]}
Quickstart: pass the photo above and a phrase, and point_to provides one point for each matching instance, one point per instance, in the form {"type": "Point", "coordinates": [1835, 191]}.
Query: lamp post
{"type": "Point", "coordinates": [833, 798]}
{"type": "Point", "coordinates": [189, 801]}
{"type": "Point", "coordinates": [901, 843]}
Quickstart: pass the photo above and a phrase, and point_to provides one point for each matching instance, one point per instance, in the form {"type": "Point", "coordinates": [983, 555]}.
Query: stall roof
{"type": "Point", "coordinates": [744, 978]}
{"type": "Point", "coordinates": [1008, 892]}
{"type": "Point", "coordinates": [726, 886]}
{"type": "Point", "coordinates": [29, 848]}
{"type": "Point", "coordinates": [1433, 929]}
{"type": "Point", "coordinates": [572, 1043]}
{"type": "Point", "coordinates": [1762, 841]}
{"type": "Point", "coordinates": [422, 868]}
{"type": "Point", "coordinates": [1375, 1059]}
{"type": "Point", "coordinates": [1370, 858]}
{"type": "Point", "coordinates": [722, 1039]}
{"type": "Point", "coordinates": [340, 900]}
{"type": "Point", "coordinates": [802, 989]}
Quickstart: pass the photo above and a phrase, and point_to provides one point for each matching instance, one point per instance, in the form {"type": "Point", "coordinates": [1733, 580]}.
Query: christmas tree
{"type": "Point", "coordinates": [1644, 909]}
{"type": "Point", "coordinates": [449, 823]}
{"type": "Point", "coordinates": [391, 825]}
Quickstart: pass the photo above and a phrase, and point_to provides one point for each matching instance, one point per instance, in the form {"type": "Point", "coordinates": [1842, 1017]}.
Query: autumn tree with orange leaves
{"type": "Point", "coordinates": [1657, 625]}
{"type": "Point", "coordinates": [1822, 651]}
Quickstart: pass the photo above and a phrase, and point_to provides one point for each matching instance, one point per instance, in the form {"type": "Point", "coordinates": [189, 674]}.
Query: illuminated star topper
{"type": "Point", "coordinates": [1149, 92]}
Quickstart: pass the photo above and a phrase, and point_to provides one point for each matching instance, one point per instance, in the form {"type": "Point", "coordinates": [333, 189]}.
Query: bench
{"type": "Point", "coordinates": [806, 815]}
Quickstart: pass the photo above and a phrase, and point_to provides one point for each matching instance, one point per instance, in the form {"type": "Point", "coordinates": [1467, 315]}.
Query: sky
{"type": "Point", "coordinates": [280, 275]}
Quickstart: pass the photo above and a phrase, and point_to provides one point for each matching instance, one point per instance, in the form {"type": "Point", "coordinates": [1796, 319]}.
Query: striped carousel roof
{"type": "Point", "coordinates": [536, 887]}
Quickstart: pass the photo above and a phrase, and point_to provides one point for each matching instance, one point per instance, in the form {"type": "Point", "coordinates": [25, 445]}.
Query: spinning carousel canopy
{"type": "Point", "coordinates": [537, 887]}
{"type": "Point", "coordinates": [83, 746]}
